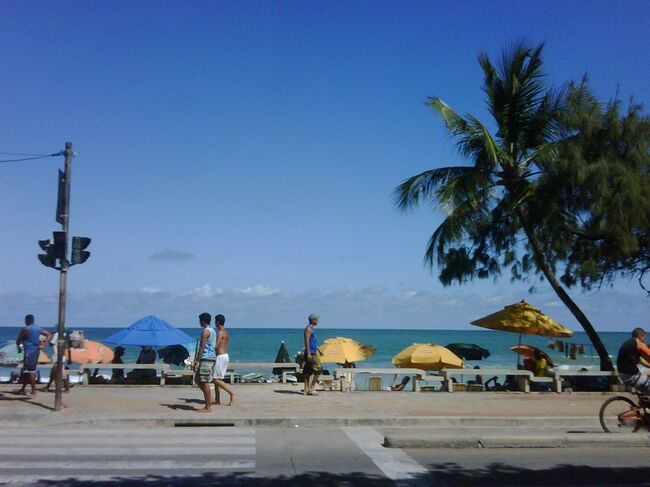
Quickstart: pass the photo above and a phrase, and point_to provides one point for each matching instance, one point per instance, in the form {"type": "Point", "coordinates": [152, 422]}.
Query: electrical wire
{"type": "Point", "coordinates": [35, 156]}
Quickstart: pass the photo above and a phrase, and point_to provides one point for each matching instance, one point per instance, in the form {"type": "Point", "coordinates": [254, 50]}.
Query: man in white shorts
{"type": "Point", "coordinates": [221, 365]}
{"type": "Point", "coordinates": [633, 352]}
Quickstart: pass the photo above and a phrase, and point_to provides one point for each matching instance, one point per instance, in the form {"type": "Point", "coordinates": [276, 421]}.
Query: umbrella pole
{"type": "Point", "coordinates": [518, 355]}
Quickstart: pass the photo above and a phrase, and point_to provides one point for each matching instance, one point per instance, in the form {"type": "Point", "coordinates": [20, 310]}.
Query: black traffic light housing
{"type": "Point", "coordinates": [60, 245]}
{"type": "Point", "coordinates": [47, 259]}
{"type": "Point", "coordinates": [79, 255]}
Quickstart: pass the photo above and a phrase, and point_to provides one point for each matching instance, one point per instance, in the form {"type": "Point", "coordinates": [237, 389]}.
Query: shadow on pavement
{"type": "Point", "coordinates": [26, 400]}
{"type": "Point", "coordinates": [564, 475]}
{"type": "Point", "coordinates": [191, 400]}
{"type": "Point", "coordinates": [180, 407]}
{"type": "Point", "coordinates": [311, 479]}
{"type": "Point", "coordinates": [280, 391]}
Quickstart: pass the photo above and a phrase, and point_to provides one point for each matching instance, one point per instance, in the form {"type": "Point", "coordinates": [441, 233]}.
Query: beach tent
{"type": "Point", "coordinates": [468, 351]}
{"type": "Point", "coordinates": [150, 331]}
{"type": "Point", "coordinates": [427, 356]}
{"type": "Point", "coordinates": [281, 358]}
{"type": "Point", "coordinates": [340, 350]}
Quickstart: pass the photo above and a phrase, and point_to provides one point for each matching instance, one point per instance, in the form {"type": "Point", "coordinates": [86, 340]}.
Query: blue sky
{"type": "Point", "coordinates": [239, 157]}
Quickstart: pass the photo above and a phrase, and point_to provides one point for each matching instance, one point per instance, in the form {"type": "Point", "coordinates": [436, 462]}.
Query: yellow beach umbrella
{"type": "Point", "coordinates": [340, 350]}
{"type": "Point", "coordinates": [525, 319]}
{"type": "Point", "coordinates": [427, 356]}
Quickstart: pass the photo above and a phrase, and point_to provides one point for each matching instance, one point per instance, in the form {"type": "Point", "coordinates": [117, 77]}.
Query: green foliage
{"type": "Point", "coordinates": [482, 232]}
{"type": "Point", "coordinates": [561, 169]}
{"type": "Point", "coordinates": [599, 186]}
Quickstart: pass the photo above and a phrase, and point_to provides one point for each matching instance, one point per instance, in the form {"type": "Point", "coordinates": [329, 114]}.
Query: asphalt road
{"type": "Point", "coordinates": [350, 456]}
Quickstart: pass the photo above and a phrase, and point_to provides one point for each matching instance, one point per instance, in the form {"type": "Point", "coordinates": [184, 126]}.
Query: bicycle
{"type": "Point", "coordinates": [620, 414]}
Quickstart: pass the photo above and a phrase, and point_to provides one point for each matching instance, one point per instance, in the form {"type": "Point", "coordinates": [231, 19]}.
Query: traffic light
{"type": "Point", "coordinates": [60, 245]}
{"type": "Point", "coordinates": [79, 255]}
{"type": "Point", "coordinates": [47, 259]}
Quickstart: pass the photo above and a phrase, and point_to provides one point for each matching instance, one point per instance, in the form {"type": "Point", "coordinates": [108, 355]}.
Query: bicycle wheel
{"type": "Point", "coordinates": [620, 415]}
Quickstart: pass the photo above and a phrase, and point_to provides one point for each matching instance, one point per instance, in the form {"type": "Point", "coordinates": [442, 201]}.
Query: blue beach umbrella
{"type": "Point", "coordinates": [149, 332]}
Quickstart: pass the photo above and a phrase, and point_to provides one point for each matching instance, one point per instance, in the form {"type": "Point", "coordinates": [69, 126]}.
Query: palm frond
{"type": "Point", "coordinates": [423, 186]}
{"type": "Point", "coordinates": [472, 137]}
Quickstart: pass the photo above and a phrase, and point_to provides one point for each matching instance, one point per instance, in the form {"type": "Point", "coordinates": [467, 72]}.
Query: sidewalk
{"type": "Point", "coordinates": [405, 419]}
{"type": "Point", "coordinates": [285, 404]}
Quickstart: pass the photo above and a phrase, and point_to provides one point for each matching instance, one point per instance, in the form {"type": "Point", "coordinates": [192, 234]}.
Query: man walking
{"type": "Point", "coordinates": [54, 370]}
{"type": "Point", "coordinates": [221, 365]}
{"type": "Point", "coordinates": [312, 367]}
{"type": "Point", "coordinates": [204, 366]}
{"type": "Point", "coordinates": [30, 339]}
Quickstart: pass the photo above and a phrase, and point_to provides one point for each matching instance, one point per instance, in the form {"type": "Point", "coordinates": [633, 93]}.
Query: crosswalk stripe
{"type": "Point", "coordinates": [119, 433]}
{"type": "Point", "coordinates": [11, 445]}
{"type": "Point", "coordinates": [134, 450]}
{"type": "Point", "coordinates": [138, 464]}
{"type": "Point", "coordinates": [395, 464]}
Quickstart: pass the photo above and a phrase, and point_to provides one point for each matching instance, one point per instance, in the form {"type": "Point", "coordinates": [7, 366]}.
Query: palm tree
{"type": "Point", "coordinates": [489, 204]}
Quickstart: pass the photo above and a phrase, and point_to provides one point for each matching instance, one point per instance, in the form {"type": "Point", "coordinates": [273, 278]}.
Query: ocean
{"type": "Point", "coordinates": [261, 344]}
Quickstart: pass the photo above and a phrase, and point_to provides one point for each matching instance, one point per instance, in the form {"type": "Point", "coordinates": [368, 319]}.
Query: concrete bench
{"type": "Point", "coordinates": [419, 382]}
{"type": "Point", "coordinates": [39, 368]}
{"type": "Point", "coordinates": [523, 377]}
{"type": "Point", "coordinates": [182, 373]}
{"type": "Point", "coordinates": [558, 375]}
{"type": "Point", "coordinates": [86, 368]}
{"type": "Point", "coordinates": [287, 368]}
{"type": "Point", "coordinates": [347, 375]}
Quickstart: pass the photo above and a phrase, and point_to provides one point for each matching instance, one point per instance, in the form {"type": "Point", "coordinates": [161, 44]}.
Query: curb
{"type": "Point", "coordinates": [584, 440]}
{"type": "Point", "coordinates": [68, 418]}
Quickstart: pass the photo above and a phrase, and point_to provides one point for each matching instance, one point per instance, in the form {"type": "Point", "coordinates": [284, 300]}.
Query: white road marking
{"type": "Point", "coordinates": [129, 449]}
{"type": "Point", "coordinates": [74, 432]}
{"type": "Point", "coordinates": [107, 463]}
{"type": "Point", "coordinates": [395, 464]}
{"type": "Point", "coordinates": [120, 441]}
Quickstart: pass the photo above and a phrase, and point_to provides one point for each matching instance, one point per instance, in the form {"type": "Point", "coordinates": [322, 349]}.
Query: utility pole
{"type": "Point", "coordinates": [57, 250]}
{"type": "Point", "coordinates": [63, 277]}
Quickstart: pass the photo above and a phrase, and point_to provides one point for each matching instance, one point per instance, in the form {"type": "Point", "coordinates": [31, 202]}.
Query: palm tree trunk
{"type": "Point", "coordinates": [542, 263]}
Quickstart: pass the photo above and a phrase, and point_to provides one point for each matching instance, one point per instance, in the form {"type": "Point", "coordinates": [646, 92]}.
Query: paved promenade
{"type": "Point", "coordinates": [275, 436]}
{"type": "Point", "coordinates": [284, 404]}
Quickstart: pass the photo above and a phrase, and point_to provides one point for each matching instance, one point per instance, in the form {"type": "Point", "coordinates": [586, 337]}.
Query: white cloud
{"type": "Point", "coordinates": [266, 306]}
{"type": "Point", "coordinates": [257, 290]}
{"type": "Point", "coordinates": [206, 291]}
{"type": "Point", "coordinates": [151, 290]}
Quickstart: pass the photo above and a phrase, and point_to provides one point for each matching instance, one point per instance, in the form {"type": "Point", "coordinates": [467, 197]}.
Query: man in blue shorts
{"type": "Point", "coordinates": [632, 352]}
{"type": "Point", "coordinates": [30, 339]}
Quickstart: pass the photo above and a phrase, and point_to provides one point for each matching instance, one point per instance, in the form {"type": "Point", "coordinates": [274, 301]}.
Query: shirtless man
{"type": "Point", "coordinates": [221, 366]}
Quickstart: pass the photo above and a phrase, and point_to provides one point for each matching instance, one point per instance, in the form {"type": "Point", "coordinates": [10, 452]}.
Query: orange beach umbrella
{"type": "Point", "coordinates": [92, 353]}
{"type": "Point", "coordinates": [528, 351]}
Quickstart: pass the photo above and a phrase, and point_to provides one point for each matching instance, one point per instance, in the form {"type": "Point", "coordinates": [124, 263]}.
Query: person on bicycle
{"type": "Point", "coordinates": [632, 352]}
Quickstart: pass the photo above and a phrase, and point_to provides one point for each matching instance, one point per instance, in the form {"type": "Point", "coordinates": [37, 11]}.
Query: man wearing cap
{"type": "Point", "coordinates": [312, 367]}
